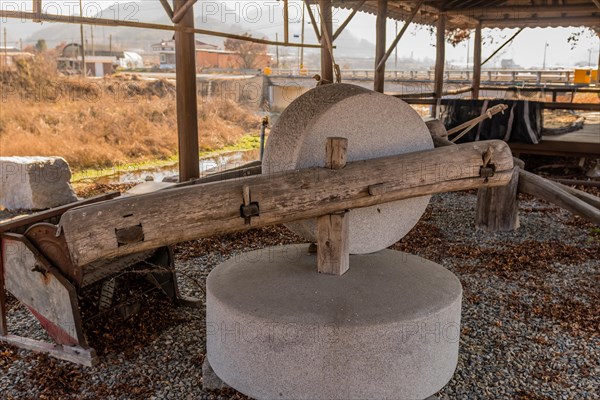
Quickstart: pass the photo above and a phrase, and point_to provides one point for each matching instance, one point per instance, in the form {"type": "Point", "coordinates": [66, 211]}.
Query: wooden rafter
{"type": "Point", "coordinates": [400, 34]}
{"type": "Point", "coordinates": [167, 7]}
{"type": "Point", "coordinates": [313, 21]}
{"type": "Point", "coordinates": [347, 21]}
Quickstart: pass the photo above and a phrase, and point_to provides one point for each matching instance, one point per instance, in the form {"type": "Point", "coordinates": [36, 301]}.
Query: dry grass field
{"type": "Point", "coordinates": [99, 123]}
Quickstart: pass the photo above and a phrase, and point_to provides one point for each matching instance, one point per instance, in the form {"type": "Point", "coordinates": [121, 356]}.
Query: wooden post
{"type": "Point", "coordinates": [3, 310]}
{"type": "Point", "coordinates": [477, 62]}
{"type": "Point", "coordinates": [380, 46]}
{"type": "Point", "coordinates": [326, 26]}
{"type": "Point", "coordinates": [498, 207]}
{"type": "Point", "coordinates": [37, 9]}
{"type": "Point", "coordinates": [286, 22]}
{"type": "Point", "coordinates": [440, 60]}
{"type": "Point", "coordinates": [333, 254]}
{"type": "Point", "coordinates": [187, 101]}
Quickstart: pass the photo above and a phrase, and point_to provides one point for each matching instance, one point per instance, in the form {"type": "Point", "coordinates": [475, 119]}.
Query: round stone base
{"type": "Point", "coordinates": [387, 329]}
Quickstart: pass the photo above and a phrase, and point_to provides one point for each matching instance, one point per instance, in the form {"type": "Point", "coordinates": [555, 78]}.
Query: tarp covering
{"type": "Point", "coordinates": [521, 122]}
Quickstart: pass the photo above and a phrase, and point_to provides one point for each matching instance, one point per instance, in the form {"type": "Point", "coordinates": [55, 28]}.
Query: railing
{"type": "Point", "coordinates": [464, 75]}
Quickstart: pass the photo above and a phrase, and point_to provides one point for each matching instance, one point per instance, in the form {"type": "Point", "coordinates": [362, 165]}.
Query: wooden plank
{"type": "Point", "coordinates": [537, 186]}
{"type": "Point", "coordinates": [498, 207]}
{"type": "Point", "coordinates": [187, 100]}
{"type": "Point", "coordinates": [32, 280]}
{"type": "Point", "coordinates": [333, 251]}
{"type": "Point", "coordinates": [187, 213]}
{"type": "Point", "coordinates": [477, 62]}
{"type": "Point", "coordinates": [380, 46]}
{"type": "Point", "coordinates": [557, 148]}
{"type": "Point", "coordinates": [75, 354]}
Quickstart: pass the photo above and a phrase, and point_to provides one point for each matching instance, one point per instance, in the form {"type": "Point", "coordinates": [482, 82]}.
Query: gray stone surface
{"type": "Point", "coordinates": [210, 380]}
{"type": "Point", "coordinates": [35, 183]}
{"type": "Point", "coordinates": [387, 329]}
{"type": "Point", "coordinates": [376, 125]}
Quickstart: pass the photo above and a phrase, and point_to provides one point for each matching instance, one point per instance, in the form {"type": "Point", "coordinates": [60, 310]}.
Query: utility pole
{"type": "Point", "coordinates": [93, 45]}
{"type": "Point", "coordinates": [545, 48]}
{"type": "Point", "coordinates": [21, 44]}
{"type": "Point", "coordinates": [83, 66]}
{"type": "Point", "coordinates": [110, 43]}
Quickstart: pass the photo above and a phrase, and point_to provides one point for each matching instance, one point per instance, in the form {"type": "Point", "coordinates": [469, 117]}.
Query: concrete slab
{"type": "Point", "coordinates": [388, 329]}
{"type": "Point", "coordinates": [376, 125]}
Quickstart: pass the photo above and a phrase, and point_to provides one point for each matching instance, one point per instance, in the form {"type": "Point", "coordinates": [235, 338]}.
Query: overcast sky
{"type": "Point", "coordinates": [527, 49]}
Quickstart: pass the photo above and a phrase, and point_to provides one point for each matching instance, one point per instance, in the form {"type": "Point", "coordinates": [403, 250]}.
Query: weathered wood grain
{"type": "Point", "coordinates": [333, 250]}
{"type": "Point", "coordinates": [188, 213]}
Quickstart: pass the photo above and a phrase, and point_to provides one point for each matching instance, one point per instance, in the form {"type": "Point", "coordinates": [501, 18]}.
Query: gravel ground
{"type": "Point", "coordinates": [530, 324]}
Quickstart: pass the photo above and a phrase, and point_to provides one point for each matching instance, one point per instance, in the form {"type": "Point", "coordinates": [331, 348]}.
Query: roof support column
{"type": "Point", "coordinates": [187, 100]}
{"type": "Point", "coordinates": [440, 60]}
{"type": "Point", "coordinates": [477, 62]}
{"type": "Point", "coordinates": [326, 31]}
{"type": "Point", "coordinates": [380, 46]}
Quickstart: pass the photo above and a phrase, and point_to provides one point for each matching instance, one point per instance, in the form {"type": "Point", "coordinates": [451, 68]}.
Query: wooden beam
{"type": "Point", "coordinates": [313, 21]}
{"type": "Point", "coordinates": [333, 244]}
{"type": "Point", "coordinates": [73, 19]}
{"type": "Point", "coordinates": [440, 60]}
{"type": "Point", "coordinates": [400, 34]}
{"type": "Point", "coordinates": [326, 34]}
{"type": "Point", "coordinates": [380, 46]}
{"type": "Point", "coordinates": [503, 45]}
{"type": "Point", "coordinates": [341, 28]}
{"type": "Point", "coordinates": [187, 213]}
{"type": "Point", "coordinates": [187, 99]}
{"type": "Point", "coordinates": [539, 187]}
{"type": "Point", "coordinates": [167, 7]}
{"type": "Point", "coordinates": [178, 16]}
{"type": "Point", "coordinates": [597, 3]}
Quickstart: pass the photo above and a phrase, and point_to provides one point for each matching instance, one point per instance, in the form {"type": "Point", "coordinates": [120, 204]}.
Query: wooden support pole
{"type": "Point", "coordinates": [333, 251]}
{"type": "Point", "coordinates": [498, 207]}
{"type": "Point", "coordinates": [187, 100]}
{"type": "Point", "coordinates": [440, 60]}
{"type": "Point", "coordinates": [477, 62]}
{"type": "Point", "coordinates": [167, 7]}
{"type": "Point", "coordinates": [380, 46]}
{"type": "Point", "coordinates": [203, 210]}
{"type": "Point", "coordinates": [286, 22]}
{"type": "Point", "coordinates": [326, 31]}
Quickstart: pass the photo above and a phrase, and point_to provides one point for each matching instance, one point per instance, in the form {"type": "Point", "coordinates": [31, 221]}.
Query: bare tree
{"type": "Point", "coordinates": [250, 54]}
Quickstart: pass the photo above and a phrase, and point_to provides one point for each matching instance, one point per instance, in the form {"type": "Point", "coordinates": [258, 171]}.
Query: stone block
{"type": "Point", "coordinates": [35, 183]}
